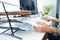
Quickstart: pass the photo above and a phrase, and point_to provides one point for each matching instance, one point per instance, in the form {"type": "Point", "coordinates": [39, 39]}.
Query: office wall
{"type": "Point", "coordinates": [42, 3]}
{"type": "Point", "coordinates": [10, 7]}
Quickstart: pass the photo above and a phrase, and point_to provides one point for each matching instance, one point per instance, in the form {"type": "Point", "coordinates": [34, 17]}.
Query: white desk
{"type": "Point", "coordinates": [30, 35]}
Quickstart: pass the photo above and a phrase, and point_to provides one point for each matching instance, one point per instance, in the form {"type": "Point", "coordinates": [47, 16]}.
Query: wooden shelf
{"type": "Point", "coordinates": [9, 13]}
{"type": "Point", "coordinates": [21, 12]}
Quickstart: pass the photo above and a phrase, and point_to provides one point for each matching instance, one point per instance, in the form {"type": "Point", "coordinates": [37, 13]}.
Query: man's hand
{"type": "Point", "coordinates": [43, 27]}
{"type": "Point", "coordinates": [49, 19]}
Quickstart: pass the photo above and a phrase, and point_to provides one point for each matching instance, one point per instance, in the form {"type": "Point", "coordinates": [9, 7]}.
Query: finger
{"type": "Point", "coordinates": [36, 28]}
{"type": "Point", "coordinates": [41, 23]}
{"type": "Point", "coordinates": [46, 18]}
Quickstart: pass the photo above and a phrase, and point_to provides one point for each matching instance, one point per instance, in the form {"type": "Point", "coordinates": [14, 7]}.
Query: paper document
{"type": "Point", "coordinates": [33, 22]}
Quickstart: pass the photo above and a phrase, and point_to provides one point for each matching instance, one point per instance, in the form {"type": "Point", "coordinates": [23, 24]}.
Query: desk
{"type": "Point", "coordinates": [30, 35]}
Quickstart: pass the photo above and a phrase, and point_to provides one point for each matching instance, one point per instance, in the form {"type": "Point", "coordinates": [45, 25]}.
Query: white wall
{"type": "Point", "coordinates": [42, 3]}
{"type": "Point", "coordinates": [9, 7]}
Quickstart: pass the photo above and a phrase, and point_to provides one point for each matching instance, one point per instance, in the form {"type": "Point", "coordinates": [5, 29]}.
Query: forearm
{"type": "Point", "coordinates": [56, 20]}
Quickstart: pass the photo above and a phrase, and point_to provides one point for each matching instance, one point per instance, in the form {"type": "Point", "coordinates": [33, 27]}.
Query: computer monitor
{"type": "Point", "coordinates": [30, 5]}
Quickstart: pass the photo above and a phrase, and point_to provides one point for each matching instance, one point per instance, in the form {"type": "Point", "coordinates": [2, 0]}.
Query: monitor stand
{"type": "Point", "coordinates": [9, 21]}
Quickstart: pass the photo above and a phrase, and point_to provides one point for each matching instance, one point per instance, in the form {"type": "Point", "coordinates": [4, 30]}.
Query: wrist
{"type": "Point", "coordinates": [58, 31]}
{"type": "Point", "coordinates": [55, 31]}
{"type": "Point", "coordinates": [52, 29]}
{"type": "Point", "coordinates": [53, 19]}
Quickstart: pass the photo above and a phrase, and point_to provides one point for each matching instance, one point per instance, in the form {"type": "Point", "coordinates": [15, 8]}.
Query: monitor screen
{"type": "Point", "coordinates": [29, 5]}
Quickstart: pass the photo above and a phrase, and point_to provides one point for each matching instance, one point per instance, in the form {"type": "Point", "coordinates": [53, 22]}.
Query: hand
{"type": "Point", "coordinates": [49, 19]}
{"type": "Point", "coordinates": [42, 27]}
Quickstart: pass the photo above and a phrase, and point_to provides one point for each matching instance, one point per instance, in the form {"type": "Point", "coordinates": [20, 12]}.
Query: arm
{"type": "Point", "coordinates": [56, 20]}
{"type": "Point", "coordinates": [45, 28]}
{"type": "Point", "coordinates": [52, 19]}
